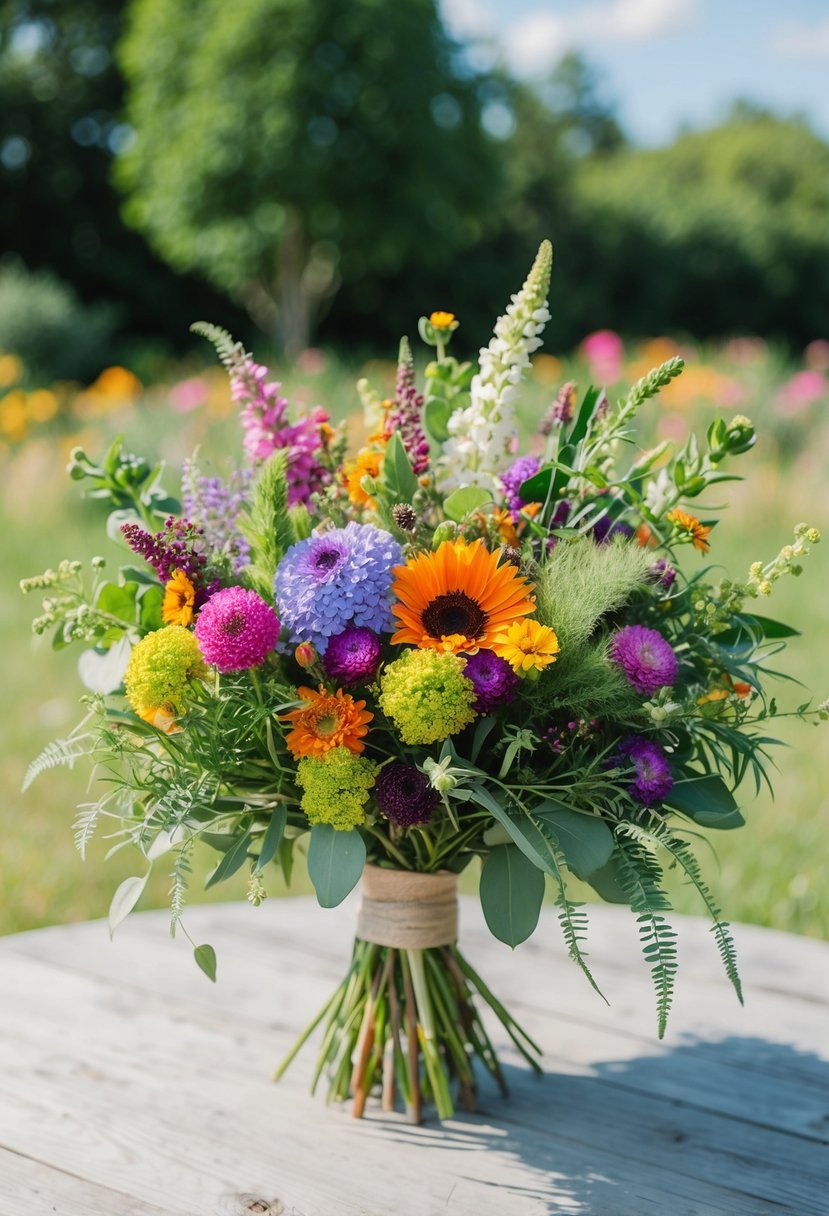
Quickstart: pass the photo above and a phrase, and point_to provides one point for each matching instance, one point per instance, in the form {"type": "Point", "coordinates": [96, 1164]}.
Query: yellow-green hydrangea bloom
{"type": "Point", "coordinates": [336, 787]}
{"type": "Point", "coordinates": [427, 696]}
{"type": "Point", "coordinates": [160, 668]}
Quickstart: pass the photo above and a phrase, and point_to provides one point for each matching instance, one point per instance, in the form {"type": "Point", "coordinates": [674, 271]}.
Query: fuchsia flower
{"type": "Point", "coordinates": [604, 351]}
{"type": "Point", "coordinates": [352, 656]}
{"type": "Point", "coordinates": [652, 780]}
{"type": "Point", "coordinates": [236, 630]}
{"type": "Point", "coordinates": [646, 658]}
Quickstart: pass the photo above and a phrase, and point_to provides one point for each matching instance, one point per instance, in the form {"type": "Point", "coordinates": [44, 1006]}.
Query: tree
{"type": "Point", "coordinates": [285, 147]}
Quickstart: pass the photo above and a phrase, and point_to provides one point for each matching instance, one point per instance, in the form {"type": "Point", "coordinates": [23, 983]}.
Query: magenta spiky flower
{"type": "Point", "coordinates": [236, 629]}
{"type": "Point", "coordinates": [646, 658]}
{"type": "Point", "coordinates": [493, 679]}
{"type": "Point", "coordinates": [353, 656]}
{"type": "Point", "coordinates": [652, 780]}
{"type": "Point", "coordinates": [403, 794]}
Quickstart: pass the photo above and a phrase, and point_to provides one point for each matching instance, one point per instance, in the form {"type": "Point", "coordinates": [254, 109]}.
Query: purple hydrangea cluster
{"type": "Point", "coordinates": [403, 794]}
{"type": "Point", "coordinates": [180, 545]}
{"type": "Point", "coordinates": [216, 505]}
{"type": "Point", "coordinates": [337, 578]}
{"type": "Point", "coordinates": [652, 780]}
{"type": "Point", "coordinates": [353, 656]}
{"type": "Point", "coordinates": [405, 415]}
{"type": "Point", "coordinates": [267, 429]}
{"type": "Point", "coordinates": [646, 658]}
{"type": "Point", "coordinates": [512, 479]}
{"type": "Point", "coordinates": [493, 679]}
{"type": "Point", "coordinates": [236, 630]}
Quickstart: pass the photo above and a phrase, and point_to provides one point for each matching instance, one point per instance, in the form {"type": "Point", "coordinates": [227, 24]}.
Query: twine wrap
{"type": "Point", "coordinates": [407, 910]}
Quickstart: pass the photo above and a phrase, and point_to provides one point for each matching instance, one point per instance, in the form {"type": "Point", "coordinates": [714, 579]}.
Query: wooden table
{"type": "Point", "coordinates": [131, 1086]}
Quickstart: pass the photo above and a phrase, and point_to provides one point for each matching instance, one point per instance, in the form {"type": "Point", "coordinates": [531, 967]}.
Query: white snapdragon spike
{"type": "Point", "coordinates": [482, 436]}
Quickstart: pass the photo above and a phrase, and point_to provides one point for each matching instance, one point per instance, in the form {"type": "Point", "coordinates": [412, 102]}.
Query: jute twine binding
{"type": "Point", "coordinates": [406, 910]}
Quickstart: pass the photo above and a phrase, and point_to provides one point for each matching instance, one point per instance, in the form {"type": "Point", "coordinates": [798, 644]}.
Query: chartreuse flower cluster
{"type": "Point", "coordinates": [427, 656]}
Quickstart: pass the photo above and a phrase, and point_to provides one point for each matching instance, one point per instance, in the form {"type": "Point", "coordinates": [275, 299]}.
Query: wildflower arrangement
{"type": "Point", "coordinates": [436, 654]}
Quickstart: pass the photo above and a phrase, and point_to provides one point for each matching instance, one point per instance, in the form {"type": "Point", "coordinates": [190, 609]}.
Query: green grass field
{"type": "Point", "coordinates": [772, 872]}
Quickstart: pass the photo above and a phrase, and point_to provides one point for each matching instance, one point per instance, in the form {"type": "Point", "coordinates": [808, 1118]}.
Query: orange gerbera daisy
{"type": "Point", "coordinates": [367, 461]}
{"type": "Point", "coordinates": [326, 720]}
{"type": "Point", "coordinates": [458, 599]}
{"type": "Point", "coordinates": [179, 600]}
{"type": "Point", "coordinates": [696, 532]}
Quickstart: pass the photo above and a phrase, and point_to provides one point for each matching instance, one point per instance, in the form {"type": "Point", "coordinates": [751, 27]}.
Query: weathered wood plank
{"type": "Point", "coordinates": [637, 1132]}
{"type": "Point", "coordinates": [30, 1188]}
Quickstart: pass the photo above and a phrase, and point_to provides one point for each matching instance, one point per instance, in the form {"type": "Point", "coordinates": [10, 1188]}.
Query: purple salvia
{"type": "Point", "coordinates": [178, 546]}
{"type": "Point", "coordinates": [215, 505]}
{"type": "Point", "coordinates": [561, 411]}
{"type": "Point", "coordinates": [406, 413]}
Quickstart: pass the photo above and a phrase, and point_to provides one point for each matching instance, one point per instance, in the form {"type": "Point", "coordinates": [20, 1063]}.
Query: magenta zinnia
{"type": "Point", "coordinates": [236, 629]}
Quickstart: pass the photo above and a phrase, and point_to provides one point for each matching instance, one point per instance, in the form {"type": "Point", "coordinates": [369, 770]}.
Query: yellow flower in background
{"type": "Point", "coordinates": [691, 527]}
{"type": "Point", "coordinates": [441, 320]}
{"type": "Point", "coordinates": [179, 600]}
{"type": "Point", "coordinates": [43, 405]}
{"type": "Point", "coordinates": [11, 370]}
{"type": "Point", "coordinates": [527, 646]}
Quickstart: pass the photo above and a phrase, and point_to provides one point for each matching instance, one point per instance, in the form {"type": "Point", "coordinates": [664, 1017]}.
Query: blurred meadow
{"type": "Point", "coordinates": [349, 165]}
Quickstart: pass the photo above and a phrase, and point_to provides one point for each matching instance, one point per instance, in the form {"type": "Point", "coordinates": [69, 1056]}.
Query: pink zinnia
{"type": "Point", "coordinates": [236, 629]}
{"type": "Point", "coordinates": [646, 658]}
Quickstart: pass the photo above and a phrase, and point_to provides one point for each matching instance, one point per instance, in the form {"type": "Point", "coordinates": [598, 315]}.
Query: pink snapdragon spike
{"type": "Point", "coordinates": [405, 415]}
{"type": "Point", "coordinates": [267, 429]}
{"type": "Point", "coordinates": [605, 352]}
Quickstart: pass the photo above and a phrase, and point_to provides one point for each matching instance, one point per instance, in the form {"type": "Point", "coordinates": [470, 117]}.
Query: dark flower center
{"type": "Point", "coordinates": [454, 612]}
{"type": "Point", "coordinates": [234, 625]}
{"type": "Point", "coordinates": [326, 559]}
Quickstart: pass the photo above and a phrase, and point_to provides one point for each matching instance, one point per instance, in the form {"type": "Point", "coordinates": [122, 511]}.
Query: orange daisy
{"type": "Point", "coordinates": [458, 599]}
{"type": "Point", "coordinates": [367, 461]}
{"type": "Point", "coordinates": [326, 720]}
{"type": "Point", "coordinates": [694, 531]}
{"type": "Point", "coordinates": [179, 600]}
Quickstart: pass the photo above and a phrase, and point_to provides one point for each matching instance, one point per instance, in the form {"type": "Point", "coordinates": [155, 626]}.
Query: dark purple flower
{"type": "Point", "coordinates": [179, 545]}
{"type": "Point", "coordinates": [352, 657]}
{"type": "Point", "coordinates": [236, 629]}
{"type": "Point", "coordinates": [492, 678]}
{"type": "Point", "coordinates": [646, 658]}
{"type": "Point", "coordinates": [652, 780]}
{"type": "Point", "coordinates": [662, 572]}
{"type": "Point", "coordinates": [403, 794]}
{"type": "Point", "coordinates": [511, 481]}
{"type": "Point", "coordinates": [608, 527]}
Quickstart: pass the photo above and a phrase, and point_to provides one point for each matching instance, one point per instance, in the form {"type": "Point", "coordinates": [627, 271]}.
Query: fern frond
{"type": "Point", "coordinates": [268, 528]}
{"type": "Point", "coordinates": [640, 877]}
{"type": "Point", "coordinates": [61, 753]}
{"type": "Point", "coordinates": [574, 925]}
{"type": "Point", "coordinates": [231, 352]}
{"type": "Point", "coordinates": [180, 876]}
{"type": "Point", "coordinates": [84, 827]}
{"type": "Point", "coordinates": [660, 835]}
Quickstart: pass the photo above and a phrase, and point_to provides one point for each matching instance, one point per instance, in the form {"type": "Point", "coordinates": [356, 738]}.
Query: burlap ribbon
{"type": "Point", "coordinates": [407, 910]}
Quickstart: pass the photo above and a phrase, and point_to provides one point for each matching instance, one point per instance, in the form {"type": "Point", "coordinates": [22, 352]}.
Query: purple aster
{"type": "Point", "coordinates": [662, 572]}
{"type": "Point", "coordinates": [492, 678]}
{"type": "Point", "coordinates": [236, 629]}
{"type": "Point", "coordinates": [646, 658]}
{"type": "Point", "coordinates": [337, 578]}
{"type": "Point", "coordinates": [652, 780]}
{"type": "Point", "coordinates": [352, 657]}
{"type": "Point", "coordinates": [511, 481]}
{"type": "Point", "coordinates": [403, 794]}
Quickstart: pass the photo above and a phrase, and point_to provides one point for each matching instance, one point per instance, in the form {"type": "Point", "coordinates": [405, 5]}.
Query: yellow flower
{"type": "Point", "coordinates": [179, 600]}
{"type": "Point", "coordinates": [527, 646]}
{"type": "Point", "coordinates": [694, 531]}
{"type": "Point", "coordinates": [441, 320]}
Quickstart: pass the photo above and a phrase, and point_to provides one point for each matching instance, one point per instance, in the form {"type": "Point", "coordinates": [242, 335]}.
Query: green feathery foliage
{"type": "Point", "coordinates": [645, 388]}
{"type": "Point", "coordinates": [640, 877]}
{"type": "Point", "coordinates": [658, 834]}
{"type": "Point", "coordinates": [584, 682]}
{"type": "Point", "coordinates": [61, 753]}
{"type": "Point", "coordinates": [228, 349]}
{"type": "Point", "coordinates": [267, 528]}
{"type": "Point", "coordinates": [581, 581]}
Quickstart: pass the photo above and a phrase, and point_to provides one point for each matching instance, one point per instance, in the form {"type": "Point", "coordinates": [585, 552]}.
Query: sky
{"type": "Point", "coordinates": [668, 63]}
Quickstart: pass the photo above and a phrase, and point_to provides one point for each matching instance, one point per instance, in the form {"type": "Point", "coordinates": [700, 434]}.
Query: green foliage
{"type": "Point", "coordinates": [335, 863]}
{"type": "Point", "coordinates": [582, 681]}
{"type": "Point", "coordinates": [511, 891]}
{"type": "Point", "coordinates": [640, 877]}
{"type": "Point", "coordinates": [580, 582]}
{"type": "Point", "coordinates": [267, 528]}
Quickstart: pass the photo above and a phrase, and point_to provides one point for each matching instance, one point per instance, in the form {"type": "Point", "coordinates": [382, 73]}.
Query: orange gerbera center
{"type": "Point", "coordinates": [179, 600]}
{"type": "Point", "coordinates": [326, 720]}
{"type": "Point", "coordinates": [457, 599]}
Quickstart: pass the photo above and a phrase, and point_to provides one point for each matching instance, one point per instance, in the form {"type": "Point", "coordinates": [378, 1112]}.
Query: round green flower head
{"type": "Point", "coordinates": [160, 667]}
{"type": "Point", "coordinates": [336, 787]}
{"type": "Point", "coordinates": [427, 696]}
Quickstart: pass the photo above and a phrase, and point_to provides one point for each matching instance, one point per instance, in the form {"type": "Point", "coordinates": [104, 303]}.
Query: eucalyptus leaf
{"type": "Point", "coordinates": [232, 861]}
{"type": "Point", "coordinates": [707, 800]}
{"type": "Point", "coordinates": [606, 882]}
{"type": "Point", "coordinates": [125, 899]}
{"type": "Point", "coordinates": [335, 863]}
{"type": "Point", "coordinates": [103, 672]}
{"type": "Point", "coordinates": [511, 892]}
{"type": "Point", "coordinates": [205, 956]}
{"type": "Point", "coordinates": [272, 837]}
{"type": "Point", "coordinates": [585, 841]}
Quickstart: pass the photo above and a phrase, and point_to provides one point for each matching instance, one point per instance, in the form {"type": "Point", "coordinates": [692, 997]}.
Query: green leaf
{"type": "Point", "coordinates": [335, 863]}
{"type": "Point", "coordinates": [233, 860]}
{"type": "Point", "coordinates": [205, 956]}
{"type": "Point", "coordinates": [464, 501]}
{"type": "Point", "coordinates": [125, 899]}
{"type": "Point", "coordinates": [606, 882]}
{"type": "Point", "coordinates": [398, 475]}
{"type": "Point", "coordinates": [523, 830]}
{"type": "Point", "coordinates": [585, 841]}
{"type": "Point", "coordinates": [706, 800]}
{"type": "Point", "coordinates": [118, 601]}
{"type": "Point", "coordinates": [134, 574]}
{"type": "Point", "coordinates": [149, 615]}
{"type": "Point", "coordinates": [272, 837]}
{"type": "Point", "coordinates": [512, 892]}
{"type": "Point", "coordinates": [774, 629]}
{"type": "Point", "coordinates": [436, 414]}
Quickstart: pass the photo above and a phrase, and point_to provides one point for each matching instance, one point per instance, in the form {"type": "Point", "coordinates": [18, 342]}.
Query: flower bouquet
{"type": "Point", "coordinates": [436, 654]}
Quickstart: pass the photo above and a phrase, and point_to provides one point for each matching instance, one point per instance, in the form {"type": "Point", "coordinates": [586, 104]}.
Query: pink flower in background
{"type": "Point", "coordinates": [189, 394]}
{"type": "Point", "coordinates": [746, 350]}
{"type": "Point", "coordinates": [732, 392]}
{"type": "Point", "coordinates": [816, 355]}
{"type": "Point", "coordinates": [312, 362]}
{"type": "Point", "coordinates": [604, 351]}
{"type": "Point", "coordinates": [801, 391]}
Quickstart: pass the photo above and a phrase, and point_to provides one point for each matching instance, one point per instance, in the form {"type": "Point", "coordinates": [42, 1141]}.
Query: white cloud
{"type": "Point", "coordinates": [799, 40]}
